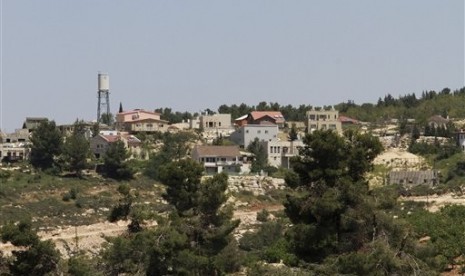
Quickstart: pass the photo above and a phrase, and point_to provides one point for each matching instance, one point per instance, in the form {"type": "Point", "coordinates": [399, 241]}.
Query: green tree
{"type": "Point", "coordinates": [107, 119]}
{"type": "Point", "coordinates": [38, 258]}
{"type": "Point", "coordinates": [182, 180]}
{"type": "Point", "coordinates": [330, 213]}
{"type": "Point", "coordinates": [77, 149]}
{"type": "Point", "coordinates": [114, 162]}
{"type": "Point", "coordinates": [258, 149]}
{"type": "Point", "coordinates": [203, 220]}
{"type": "Point", "coordinates": [293, 134]}
{"type": "Point", "coordinates": [46, 145]}
{"type": "Point", "coordinates": [175, 146]}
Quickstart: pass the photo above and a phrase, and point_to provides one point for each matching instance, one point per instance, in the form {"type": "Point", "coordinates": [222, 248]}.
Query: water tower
{"type": "Point", "coordinates": [103, 95]}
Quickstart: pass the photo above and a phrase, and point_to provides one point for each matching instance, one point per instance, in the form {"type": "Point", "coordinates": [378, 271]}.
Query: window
{"type": "Point", "coordinates": [219, 123]}
{"type": "Point", "coordinates": [259, 131]}
{"type": "Point", "coordinates": [266, 131]}
{"type": "Point", "coordinates": [247, 131]}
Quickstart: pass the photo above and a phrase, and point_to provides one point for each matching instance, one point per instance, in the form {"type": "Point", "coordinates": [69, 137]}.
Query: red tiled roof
{"type": "Point", "coordinates": [273, 114]}
{"type": "Point", "coordinates": [345, 119]}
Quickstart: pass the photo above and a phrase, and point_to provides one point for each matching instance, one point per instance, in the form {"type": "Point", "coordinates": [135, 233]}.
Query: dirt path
{"type": "Point", "coordinates": [435, 201]}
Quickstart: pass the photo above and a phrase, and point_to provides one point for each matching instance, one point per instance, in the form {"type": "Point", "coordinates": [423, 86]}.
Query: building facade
{"type": "Point", "coordinates": [215, 121]}
{"type": "Point", "coordinates": [217, 159]}
{"type": "Point", "coordinates": [280, 152]}
{"type": "Point", "coordinates": [323, 120]}
{"type": "Point", "coordinates": [139, 120]}
{"type": "Point", "coordinates": [244, 135]}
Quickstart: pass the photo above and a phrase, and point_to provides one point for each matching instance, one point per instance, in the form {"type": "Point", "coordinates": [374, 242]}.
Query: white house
{"type": "Point", "coordinates": [246, 134]}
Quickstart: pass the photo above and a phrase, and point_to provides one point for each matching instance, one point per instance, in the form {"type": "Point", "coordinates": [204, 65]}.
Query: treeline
{"type": "Point", "coordinates": [446, 103]}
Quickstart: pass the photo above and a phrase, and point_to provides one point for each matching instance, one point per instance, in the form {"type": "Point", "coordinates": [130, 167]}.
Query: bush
{"type": "Point", "coordinates": [263, 215]}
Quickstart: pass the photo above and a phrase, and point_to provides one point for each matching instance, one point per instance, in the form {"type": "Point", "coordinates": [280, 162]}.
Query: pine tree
{"type": "Point", "coordinates": [330, 214]}
{"type": "Point", "coordinates": [77, 149]}
{"type": "Point", "coordinates": [46, 146]}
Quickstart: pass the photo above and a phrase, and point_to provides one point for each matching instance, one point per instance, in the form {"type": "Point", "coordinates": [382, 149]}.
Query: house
{"type": "Point", "coordinates": [100, 143]}
{"type": "Point", "coordinates": [438, 121]}
{"type": "Point", "coordinates": [215, 121]}
{"type": "Point", "coordinates": [19, 136]}
{"type": "Point", "coordinates": [241, 121]}
{"type": "Point", "coordinates": [280, 152]}
{"type": "Point", "coordinates": [323, 120]}
{"type": "Point", "coordinates": [266, 117]}
{"type": "Point", "coordinates": [68, 129]}
{"type": "Point", "coordinates": [413, 178]}
{"type": "Point", "coordinates": [32, 123]}
{"type": "Point", "coordinates": [13, 152]}
{"type": "Point", "coordinates": [139, 120]}
{"type": "Point", "coordinates": [347, 121]}
{"type": "Point", "coordinates": [217, 159]}
{"type": "Point", "coordinates": [246, 134]}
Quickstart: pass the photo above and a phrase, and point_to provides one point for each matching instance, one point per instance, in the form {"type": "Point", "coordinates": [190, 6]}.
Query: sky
{"type": "Point", "coordinates": [194, 55]}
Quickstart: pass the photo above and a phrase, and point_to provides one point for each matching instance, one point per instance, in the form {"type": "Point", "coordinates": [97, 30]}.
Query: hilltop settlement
{"type": "Point", "coordinates": [371, 189]}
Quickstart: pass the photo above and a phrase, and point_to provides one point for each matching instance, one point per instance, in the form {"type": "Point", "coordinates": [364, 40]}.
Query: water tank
{"type": "Point", "coordinates": [103, 82]}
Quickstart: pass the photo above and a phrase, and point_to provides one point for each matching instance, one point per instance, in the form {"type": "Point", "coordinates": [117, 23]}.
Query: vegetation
{"type": "Point", "coordinates": [332, 222]}
{"type": "Point", "coordinates": [46, 146]}
{"type": "Point", "coordinates": [114, 162]}
{"type": "Point", "coordinates": [260, 160]}
{"type": "Point", "coordinates": [76, 150]}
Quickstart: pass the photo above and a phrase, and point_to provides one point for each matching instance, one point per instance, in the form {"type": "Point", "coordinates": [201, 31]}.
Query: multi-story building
{"type": "Point", "coordinates": [100, 143]}
{"type": "Point", "coordinates": [246, 134]}
{"type": "Point", "coordinates": [12, 152]}
{"type": "Point", "coordinates": [323, 120]}
{"type": "Point", "coordinates": [217, 159]}
{"type": "Point", "coordinates": [139, 120]}
{"type": "Point", "coordinates": [32, 123]}
{"type": "Point", "coordinates": [215, 121]}
{"type": "Point", "coordinates": [280, 152]}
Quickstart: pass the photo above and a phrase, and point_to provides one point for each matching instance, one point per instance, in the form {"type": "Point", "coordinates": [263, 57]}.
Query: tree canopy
{"type": "Point", "coordinates": [47, 143]}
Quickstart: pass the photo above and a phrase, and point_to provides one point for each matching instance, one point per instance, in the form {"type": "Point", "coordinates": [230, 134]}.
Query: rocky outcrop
{"type": "Point", "coordinates": [258, 185]}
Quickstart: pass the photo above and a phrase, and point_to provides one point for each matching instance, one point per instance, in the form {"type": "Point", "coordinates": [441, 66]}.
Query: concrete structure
{"type": "Point", "coordinates": [412, 178]}
{"type": "Point", "coordinates": [280, 152]}
{"type": "Point", "coordinates": [246, 134]}
{"type": "Point", "coordinates": [215, 121]}
{"type": "Point", "coordinates": [194, 123]}
{"type": "Point", "coordinates": [103, 95]}
{"type": "Point", "coordinates": [139, 120]}
{"type": "Point", "coordinates": [13, 152]}
{"type": "Point", "coordinates": [323, 120]}
{"type": "Point", "coordinates": [68, 129]}
{"type": "Point", "coordinates": [32, 123]}
{"type": "Point", "coordinates": [19, 136]}
{"type": "Point", "coordinates": [100, 143]}
{"type": "Point", "coordinates": [217, 159]}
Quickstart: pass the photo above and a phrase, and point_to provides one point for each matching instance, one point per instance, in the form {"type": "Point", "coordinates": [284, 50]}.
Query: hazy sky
{"type": "Point", "coordinates": [193, 55]}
